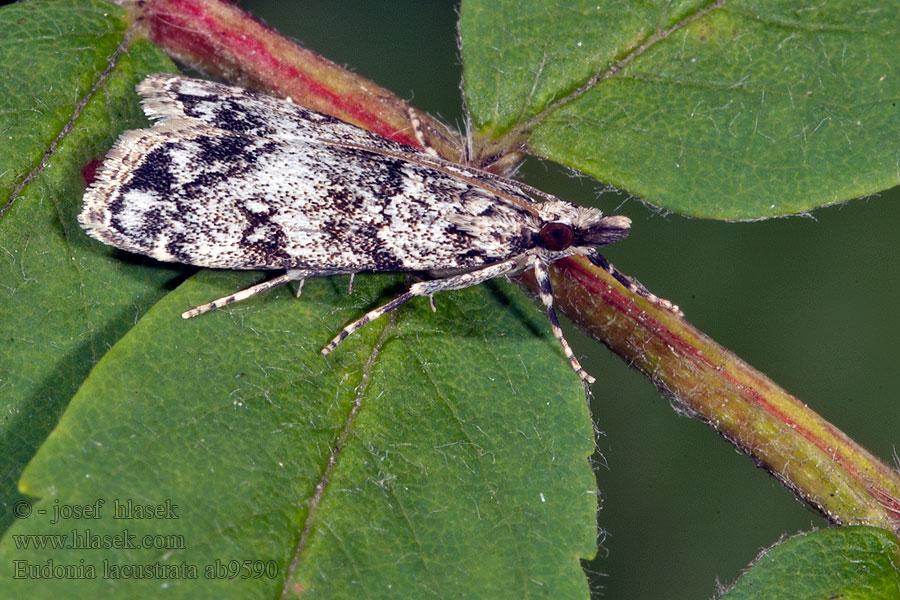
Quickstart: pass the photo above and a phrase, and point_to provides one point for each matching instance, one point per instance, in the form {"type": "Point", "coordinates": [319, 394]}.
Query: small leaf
{"type": "Point", "coordinates": [63, 299]}
{"type": "Point", "coordinates": [846, 562]}
{"type": "Point", "coordinates": [442, 465]}
{"type": "Point", "coordinates": [729, 110]}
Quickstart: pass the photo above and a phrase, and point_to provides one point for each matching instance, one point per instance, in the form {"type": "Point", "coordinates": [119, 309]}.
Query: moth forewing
{"type": "Point", "coordinates": [235, 109]}
{"type": "Point", "coordinates": [229, 178]}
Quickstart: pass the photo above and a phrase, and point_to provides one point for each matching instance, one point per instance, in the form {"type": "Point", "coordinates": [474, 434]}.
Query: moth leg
{"type": "Point", "coordinates": [633, 284]}
{"type": "Point", "coordinates": [546, 294]}
{"type": "Point", "coordinates": [291, 275]}
{"type": "Point", "coordinates": [300, 282]}
{"type": "Point", "coordinates": [425, 288]}
{"type": "Point", "coordinates": [420, 135]}
{"type": "Point", "coordinates": [350, 285]}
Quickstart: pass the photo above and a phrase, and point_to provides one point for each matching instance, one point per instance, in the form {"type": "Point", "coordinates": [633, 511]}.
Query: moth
{"type": "Point", "coordinates": [231, 179]}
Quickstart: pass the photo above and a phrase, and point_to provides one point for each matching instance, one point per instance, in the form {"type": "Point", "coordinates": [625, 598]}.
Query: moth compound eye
{"type": "Point", "coordinates": [557, 236]}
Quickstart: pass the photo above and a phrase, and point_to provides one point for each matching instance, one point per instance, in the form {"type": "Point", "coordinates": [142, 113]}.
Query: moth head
{"type": "Point", "coordinates": [568, 229]}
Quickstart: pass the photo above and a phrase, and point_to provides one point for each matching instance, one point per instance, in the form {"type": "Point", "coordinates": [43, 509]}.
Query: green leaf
{"type": "Point", "coordinates": [63, 299]}
{"type": "Point", "coordinates": [729, 110]}
{"type": "Point", "coordinates": [444, 466]}
{"type": "Point", "coordinates": [845, 562]}
{"type": "Point", "coordinates": [466, 452]}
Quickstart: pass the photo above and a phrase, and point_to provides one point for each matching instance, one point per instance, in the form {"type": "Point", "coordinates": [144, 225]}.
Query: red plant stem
{"type": "Point", "coordinates": [814, 459]}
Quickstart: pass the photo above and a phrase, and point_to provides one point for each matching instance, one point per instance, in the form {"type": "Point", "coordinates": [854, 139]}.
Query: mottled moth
{"type": "Point", "coordinates": [232, 179]}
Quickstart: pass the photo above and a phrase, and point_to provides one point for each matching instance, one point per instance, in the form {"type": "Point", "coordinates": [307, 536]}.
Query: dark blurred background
{"type": "Point", "coordinates": [808, 301]}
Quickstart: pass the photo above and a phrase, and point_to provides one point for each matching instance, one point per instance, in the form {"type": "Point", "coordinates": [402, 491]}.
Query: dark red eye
{"type": "Point", "coordinates": [557, 236]}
